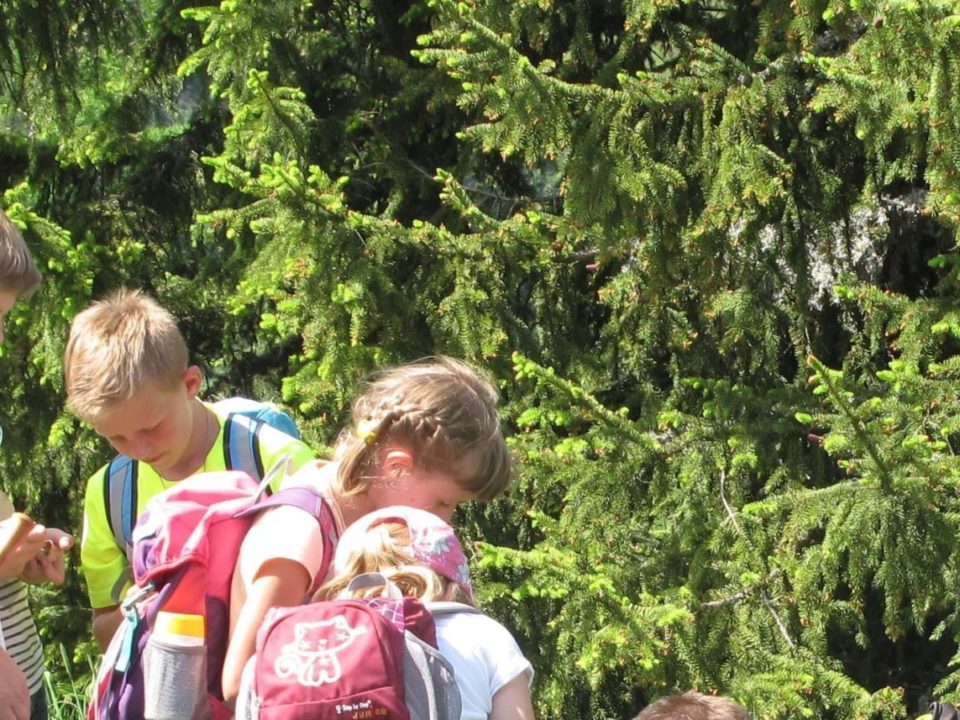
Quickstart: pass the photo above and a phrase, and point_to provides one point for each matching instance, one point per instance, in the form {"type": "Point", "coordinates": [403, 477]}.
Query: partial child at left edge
{"type": "Point", "coordinates": [39, 556]}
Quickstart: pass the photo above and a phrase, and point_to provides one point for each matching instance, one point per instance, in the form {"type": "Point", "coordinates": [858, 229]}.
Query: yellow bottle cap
{"type": "Point", "coordinates": [169, 623]}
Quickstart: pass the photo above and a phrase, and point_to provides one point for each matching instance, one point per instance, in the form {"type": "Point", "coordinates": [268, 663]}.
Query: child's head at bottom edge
{"type": "Point", "coordinates": [693, 706]}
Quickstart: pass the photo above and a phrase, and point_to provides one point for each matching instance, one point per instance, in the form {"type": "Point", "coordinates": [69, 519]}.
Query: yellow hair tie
{"type": "Point", "coordinates": [367, 430]}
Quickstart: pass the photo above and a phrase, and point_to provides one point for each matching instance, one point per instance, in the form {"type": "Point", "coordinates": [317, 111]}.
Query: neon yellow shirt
{"type": "Point", "coordinates": [103, 562]}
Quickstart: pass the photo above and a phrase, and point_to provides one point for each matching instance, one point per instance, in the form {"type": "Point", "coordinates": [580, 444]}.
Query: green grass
{"type": "Point", "coordinates": [67, 692]}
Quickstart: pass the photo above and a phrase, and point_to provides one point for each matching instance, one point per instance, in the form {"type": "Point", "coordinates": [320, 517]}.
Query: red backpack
{"type": "Point", "coordinates": [185, 548]}
{"type": "Point", "coordinates": [351, 658]}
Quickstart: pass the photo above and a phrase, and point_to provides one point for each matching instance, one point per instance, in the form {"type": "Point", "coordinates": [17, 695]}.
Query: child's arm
{"type": "Point", "coordinates": [14, 692]}
{"type": "Point", "coordinates": [281, 554]}
{"type": "Point", "coordinates": [512, 701]}
{"type": "Point", "coordinates": [12, 531]}
{"type": "Point", "coordinates": [280, 583]}
{"type": "Point", "coordinates": [106, 620]}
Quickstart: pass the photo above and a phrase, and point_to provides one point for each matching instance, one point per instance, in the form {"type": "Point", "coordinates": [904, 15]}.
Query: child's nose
{"type": "Point", "coordinates": [139, 449]}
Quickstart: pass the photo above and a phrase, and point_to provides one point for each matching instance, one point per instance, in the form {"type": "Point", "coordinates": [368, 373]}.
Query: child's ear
{"type": "Point", "coordinates": [397, 462]}
{"type": "Point", "coordinates": [192, 379]}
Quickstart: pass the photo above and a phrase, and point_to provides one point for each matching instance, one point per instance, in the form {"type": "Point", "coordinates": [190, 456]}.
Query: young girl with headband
{"type": "Point", "coordinates": [426, 435]}
{"type": "Point", "coordinates": [420, 554]}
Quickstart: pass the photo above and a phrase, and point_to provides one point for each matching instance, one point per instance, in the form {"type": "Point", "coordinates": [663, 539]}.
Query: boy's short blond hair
{"type": "Point", "coordinates": [117, 345]}
{"type": "Point", "coordinates": [18, 273]}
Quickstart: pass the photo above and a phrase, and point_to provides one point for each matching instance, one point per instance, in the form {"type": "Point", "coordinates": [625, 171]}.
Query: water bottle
{"type": "Point", "coordinates": [175, 669]}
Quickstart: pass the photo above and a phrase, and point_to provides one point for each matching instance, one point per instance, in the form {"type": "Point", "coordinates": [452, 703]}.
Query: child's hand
{"type": "Point", "coordinates": [48, 564]}
{"type": "Point", "coordinates": [21, 540]}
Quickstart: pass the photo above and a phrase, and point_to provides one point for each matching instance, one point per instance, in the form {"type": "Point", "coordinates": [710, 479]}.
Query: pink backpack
{"type": "Point", "coordinates": [352, 658]}
{"type": "Point", "coordinates": [185, 548]}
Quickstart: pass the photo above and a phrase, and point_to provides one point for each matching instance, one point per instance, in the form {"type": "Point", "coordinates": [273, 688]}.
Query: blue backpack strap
{"type": "Point", "coordinates": [120, 503]}
{"type": "Point", "coordinates": [260, 411]}
{"type": "Point", "coordinates": [241, 432]}
{"type": "Point", "coordinates": [241, 446]}
{"type": "Point", "coordinates": [275, 417]}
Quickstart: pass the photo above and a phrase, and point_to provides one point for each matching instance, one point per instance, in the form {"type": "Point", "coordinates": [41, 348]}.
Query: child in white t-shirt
{"type": "Point", "coordinates": [421, 555]}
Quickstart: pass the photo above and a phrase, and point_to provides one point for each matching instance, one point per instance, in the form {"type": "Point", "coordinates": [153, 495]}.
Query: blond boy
{"type": "Point", "coordinates": [38, 557]}
{"type": "Point", "coordinates": [128, 376]}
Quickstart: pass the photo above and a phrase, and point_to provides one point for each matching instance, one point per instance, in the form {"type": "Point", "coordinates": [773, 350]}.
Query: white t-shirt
{"type": "Point", "coordinates": [484, 655]}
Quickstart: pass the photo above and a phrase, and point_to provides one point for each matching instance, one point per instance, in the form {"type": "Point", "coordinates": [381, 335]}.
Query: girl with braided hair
{"type": "Point", "coordinates": [425, 435]}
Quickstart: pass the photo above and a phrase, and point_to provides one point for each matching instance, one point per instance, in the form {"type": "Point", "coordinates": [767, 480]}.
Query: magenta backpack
{"type": "Point", "coordinates": [352, 658]}
{"type": "Point", "coordinates": [185, 548]}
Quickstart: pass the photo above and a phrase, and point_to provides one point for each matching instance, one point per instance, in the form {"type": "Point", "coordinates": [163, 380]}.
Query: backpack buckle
{"type": "Point", "coordinates": [133, 600]}
{"type": "Point", "coordinates": [130, 607]}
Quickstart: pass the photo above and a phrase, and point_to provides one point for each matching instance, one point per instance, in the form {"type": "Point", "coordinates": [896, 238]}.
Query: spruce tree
{"type": "Point", "coordinates": [707, 250]}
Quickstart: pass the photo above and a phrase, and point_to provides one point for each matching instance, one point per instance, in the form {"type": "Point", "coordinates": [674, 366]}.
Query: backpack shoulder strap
{"type": "Point", "coordinates": [241, 445]}
{"type": "Point", "coordinates": [430, 688]}
{"type": "Point", "coordinates": [120, 505]}
{"type": "Point", "coordinates": [305, 498]}
{"type": "Point", "coordinates": [120, 499]}
{"type": "Point", "coordinates": [439, 608]}
{"type": "Point", "coordinates": [372, 580]}
{"type": "Point", "coordinates": [260, 410]}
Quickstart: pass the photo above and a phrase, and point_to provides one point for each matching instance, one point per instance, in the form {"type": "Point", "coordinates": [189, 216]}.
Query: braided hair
{"type": "Point", "coordinates": [441, 411]}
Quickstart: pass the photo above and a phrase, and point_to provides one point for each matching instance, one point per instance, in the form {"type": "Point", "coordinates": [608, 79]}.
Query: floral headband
{"type": "Point", "coordinates": [433, 542]}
